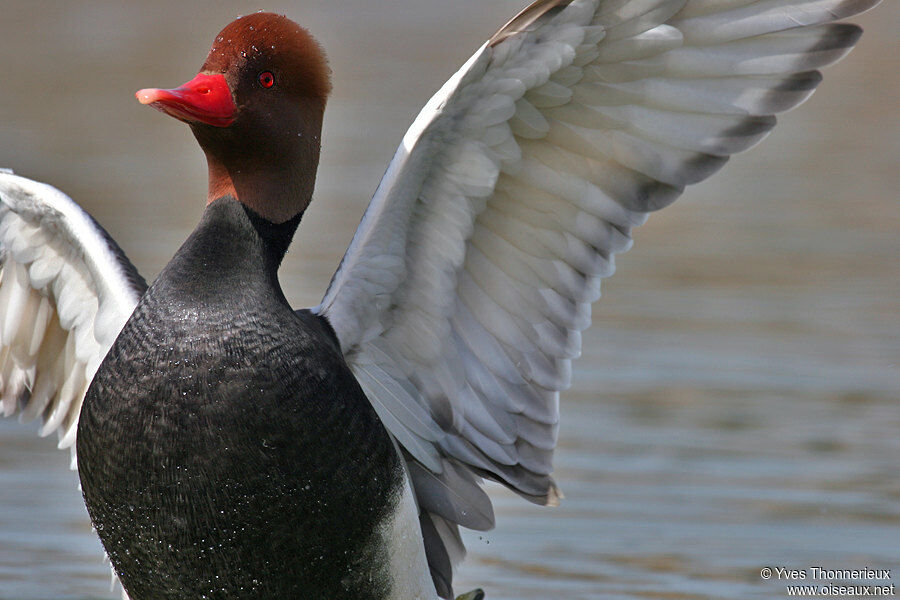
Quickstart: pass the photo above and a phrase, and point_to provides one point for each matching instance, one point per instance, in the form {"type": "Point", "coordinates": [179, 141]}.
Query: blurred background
{"type": "Point", "coordinates": [737, 402]}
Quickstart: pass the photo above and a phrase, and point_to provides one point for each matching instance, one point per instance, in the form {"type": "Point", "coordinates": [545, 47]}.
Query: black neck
{"type": "Point", "coordinates": [276, 237]}
{"type": "Point", "coordinates": [232, 250]}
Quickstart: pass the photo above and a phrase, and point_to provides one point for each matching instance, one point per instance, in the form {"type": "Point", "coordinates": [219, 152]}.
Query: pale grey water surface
{"type": "Point", "coordinates": [737, 402]}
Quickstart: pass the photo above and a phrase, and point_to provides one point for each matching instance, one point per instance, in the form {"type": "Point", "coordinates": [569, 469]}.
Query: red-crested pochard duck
{"type": "Point", "coordinates": [230, 446]}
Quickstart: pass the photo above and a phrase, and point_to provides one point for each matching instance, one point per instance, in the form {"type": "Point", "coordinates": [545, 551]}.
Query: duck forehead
{"type": "Point", "coordinates": [269, 39]}
{"type": "Point", "coordinates": [258, 36]}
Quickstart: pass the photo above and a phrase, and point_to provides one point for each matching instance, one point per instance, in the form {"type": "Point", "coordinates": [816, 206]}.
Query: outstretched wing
{"type": "Point", "coordinates": [66, 290]}
{"type": "Point", "coordinates": [460, 301]}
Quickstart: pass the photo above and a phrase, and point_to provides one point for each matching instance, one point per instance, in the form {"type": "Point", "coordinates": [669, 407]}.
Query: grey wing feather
{"type": "Point", "coordinates": [461, 299]}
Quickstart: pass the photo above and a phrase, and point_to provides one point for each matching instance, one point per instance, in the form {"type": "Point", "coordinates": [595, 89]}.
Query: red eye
{"type": "Point", "coordinates": [266, 79]}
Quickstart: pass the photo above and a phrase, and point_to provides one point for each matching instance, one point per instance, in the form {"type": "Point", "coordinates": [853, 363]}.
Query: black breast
{"type": "Point", "coordinates": [224, 448]}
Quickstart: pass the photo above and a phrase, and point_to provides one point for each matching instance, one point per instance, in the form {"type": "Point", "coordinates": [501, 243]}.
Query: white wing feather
{"type": "Point", "coordinates": [460, 301]}
{"type": "Point", "coordinates": [66, 290]}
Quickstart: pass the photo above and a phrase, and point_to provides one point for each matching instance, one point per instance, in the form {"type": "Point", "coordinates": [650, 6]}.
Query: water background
{"type": "Point", "coordinates": [737, 402]}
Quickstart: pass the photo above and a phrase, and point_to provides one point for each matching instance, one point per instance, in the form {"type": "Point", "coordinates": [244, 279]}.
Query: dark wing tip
{"type": "Point", "coordinates": [856, 7]}
{"type": "Point", "coordinates": [537, 11]}
{"type": "Point", "coordinates": [132, 276]}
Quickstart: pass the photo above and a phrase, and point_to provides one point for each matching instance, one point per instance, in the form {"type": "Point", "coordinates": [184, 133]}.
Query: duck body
{"type": "Point", "coordinates": [225, 449]}
{"type": "Point", "coordinates": [230, 447]}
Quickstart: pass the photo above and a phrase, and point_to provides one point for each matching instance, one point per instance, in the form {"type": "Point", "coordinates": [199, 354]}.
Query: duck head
{"type": "Point", "coordinates": [256, 109]}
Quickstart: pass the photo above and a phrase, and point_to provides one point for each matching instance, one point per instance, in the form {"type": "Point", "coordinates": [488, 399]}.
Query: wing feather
{"type": "Point", "coordinates": [66, 290]}
{"type": "Point", "coordinates": [461, 299]}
